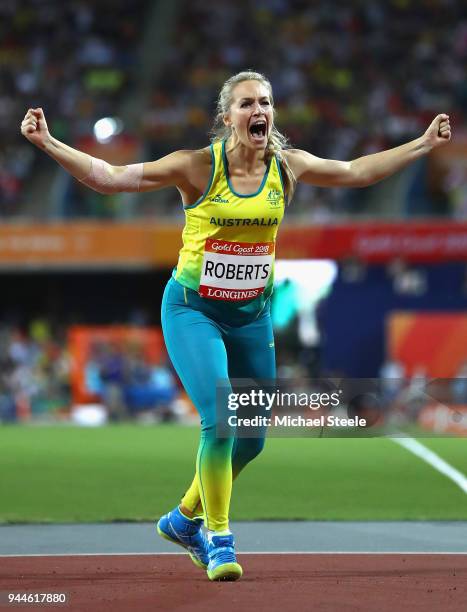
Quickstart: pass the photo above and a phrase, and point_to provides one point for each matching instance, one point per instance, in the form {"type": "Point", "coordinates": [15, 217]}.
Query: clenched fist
{"type": "Point", "coordinates": [439, 131]}
{"type": "Point", "coordinates": [34, 127]}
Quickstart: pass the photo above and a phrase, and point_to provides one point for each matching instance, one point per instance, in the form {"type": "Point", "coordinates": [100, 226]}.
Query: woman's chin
{"type": "Point", "coordinates": [258, 143]}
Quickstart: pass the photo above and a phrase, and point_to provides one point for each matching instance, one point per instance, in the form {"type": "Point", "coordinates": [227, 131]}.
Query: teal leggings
{"type": "Point", "coordinates": [209, 341]}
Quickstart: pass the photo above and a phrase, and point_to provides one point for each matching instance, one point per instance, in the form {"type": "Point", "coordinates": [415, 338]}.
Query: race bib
{"type": "Point", "coordinates": [235, 271]}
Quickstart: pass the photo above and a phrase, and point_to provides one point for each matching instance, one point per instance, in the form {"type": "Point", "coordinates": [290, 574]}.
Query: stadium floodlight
{"type": "Point", "coordinates": [106, 128]}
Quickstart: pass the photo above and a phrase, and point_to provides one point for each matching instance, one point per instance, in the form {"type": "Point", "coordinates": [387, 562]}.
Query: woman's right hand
{"type": "Point", "coordinates": [34, 127]}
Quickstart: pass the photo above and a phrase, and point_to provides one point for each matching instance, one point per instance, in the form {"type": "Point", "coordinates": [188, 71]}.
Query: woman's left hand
{"type": "Point", "coordinates": [439, 131]}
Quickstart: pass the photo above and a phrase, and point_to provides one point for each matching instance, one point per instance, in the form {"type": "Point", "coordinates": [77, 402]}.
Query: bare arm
{"type": "Point", "coordinates": [34, 128]}
{"type": "Point", "coordinates": [171, 170]}
{"type": "Point", "coordinates": [369, 169]}
{"type": "Point", "coordinates": [98, 174]}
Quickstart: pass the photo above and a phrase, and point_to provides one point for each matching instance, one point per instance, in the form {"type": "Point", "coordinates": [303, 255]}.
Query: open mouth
{"type": "Point", "coordinates": [258, 130]}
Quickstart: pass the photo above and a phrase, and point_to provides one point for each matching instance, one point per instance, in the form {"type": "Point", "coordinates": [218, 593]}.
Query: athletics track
{"type": "Point", "coordinates": [348, 566]}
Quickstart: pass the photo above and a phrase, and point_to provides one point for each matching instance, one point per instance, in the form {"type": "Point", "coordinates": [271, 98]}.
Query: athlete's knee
{"type": "Point", "coordinates": [249, 448]}
{"type": "Point", "coordinates": [256, 446]}
{"type": "Point", "coordinates": [216, 443]}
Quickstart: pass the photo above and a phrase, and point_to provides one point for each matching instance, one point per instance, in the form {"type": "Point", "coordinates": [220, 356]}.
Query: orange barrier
{"type": "Point", "coordinates": [89, 244]}
{"type": "Point", "coordinates": [83, 340]}
{"type": "Point", "coordinates": [148, 245]}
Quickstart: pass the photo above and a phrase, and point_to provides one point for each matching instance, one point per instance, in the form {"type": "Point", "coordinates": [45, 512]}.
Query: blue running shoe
{"type": "Point", "coordinates": [222, 561]}
{"type": "Point", "coordinates": [185, 532]}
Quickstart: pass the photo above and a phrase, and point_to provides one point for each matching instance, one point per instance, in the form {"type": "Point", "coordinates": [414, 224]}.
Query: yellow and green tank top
{"type": "Point", "coordinates": [229, 238]}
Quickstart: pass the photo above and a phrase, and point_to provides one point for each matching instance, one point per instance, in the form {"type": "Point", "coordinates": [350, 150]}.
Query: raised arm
{"type": "Point", "coordinates": [97, 173]}
{"type": "Point", "coordinates": [369, 169]}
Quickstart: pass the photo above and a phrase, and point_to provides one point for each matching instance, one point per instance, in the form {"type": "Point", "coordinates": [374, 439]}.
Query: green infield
{"type": "Point", "coordinates": [67, 474]}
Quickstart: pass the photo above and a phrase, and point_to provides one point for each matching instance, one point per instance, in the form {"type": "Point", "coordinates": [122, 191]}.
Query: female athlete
{"type": "Point", "coordinates": [216, 306]}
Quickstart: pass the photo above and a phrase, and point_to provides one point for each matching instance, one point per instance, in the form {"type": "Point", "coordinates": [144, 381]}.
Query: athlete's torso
{"type": "Point", "coordinates": [229, 238]}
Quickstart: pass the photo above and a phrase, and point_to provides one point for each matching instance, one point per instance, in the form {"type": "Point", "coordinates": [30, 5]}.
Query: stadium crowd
{"type": "Point", "coordinates": [349, 79]}
{"type": "Point", "coordinates": [34, 371]}
{"type": "Point", "coordinates": [74, 59]}
{"type": "Point", "coordinates": [36, 377]}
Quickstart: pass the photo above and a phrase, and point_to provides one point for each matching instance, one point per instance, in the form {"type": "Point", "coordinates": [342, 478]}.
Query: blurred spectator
{"type": "Point", "coordinates": [353, 270]}
{"type": "Point", "coordinates": [127, 384]}
{"type": "Point", "coordinates": [75, 60]}
{"type": "Point", "coordinates": [149, 388]}
{"type": "Point", "coordinates": [35, 377]}
{"type": "Point", "coordinates": [459, 385]}
{"type": "Point", "coordinates": [112, 378]}
{"type": "Point", "coordinates": [407, 280]}
{"type": "Point", "coordinates": [392, 380]}
{"type": "Point", "coordinates": [34, 373]}
{"type": "Point", "coordinates": [349, 79]}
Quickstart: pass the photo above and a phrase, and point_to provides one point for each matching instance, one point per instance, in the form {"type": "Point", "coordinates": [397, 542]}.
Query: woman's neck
{"type": "Point", "coordinates": [244, 158]}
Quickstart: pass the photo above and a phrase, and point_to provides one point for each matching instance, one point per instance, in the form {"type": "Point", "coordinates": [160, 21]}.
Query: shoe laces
{"type": "Point", "coordinates": [222, 555]}
{"type": "Point", "coordinates": [222, 549]}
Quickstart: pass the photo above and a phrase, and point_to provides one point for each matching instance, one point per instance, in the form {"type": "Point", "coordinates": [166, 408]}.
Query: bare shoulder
{"type": "Point", "coordinates": [298, 160]}
{"type": "Point", "coordinates": [292, 152]}
{"type": "Point", "coordinates": [197, 167]}
{"type": "Point", "coordinates": [321, 172]}
{"type": "Point", "coordinates": [176, 169]}
{"type": "Point", "coordinates": [199, 158]}
{"type": "Point", "coordinates": [182, 158]}
{"type": "Point", "coordinates": [190, 162]}
{"type": "Point", "coordinates": [296, 155]}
